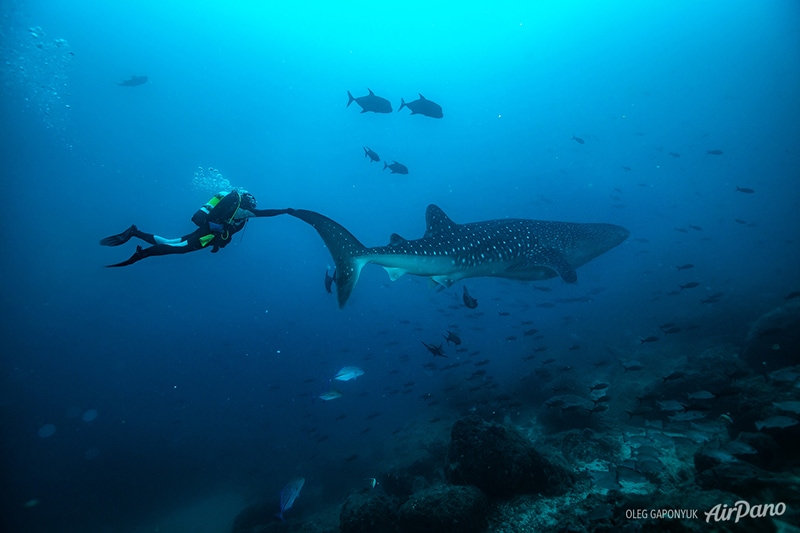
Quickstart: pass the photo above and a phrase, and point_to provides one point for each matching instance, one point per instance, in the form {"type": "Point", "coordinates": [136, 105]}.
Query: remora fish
{"type": "Point", "coordinates": [519, 249]}
{"type": "Point", "coordinates": [289, 494]}
{"type": "Point", "coordinates": [133, 81]}
{"type": "Point", "coordinates": [348, 372]}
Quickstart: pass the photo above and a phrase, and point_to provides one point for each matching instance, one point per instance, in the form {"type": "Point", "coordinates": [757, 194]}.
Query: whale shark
{"type": "Point", "coordinates": [512, 248]}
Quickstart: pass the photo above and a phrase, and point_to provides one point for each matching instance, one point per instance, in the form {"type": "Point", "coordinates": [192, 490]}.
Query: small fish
{"type": "Point", "coordinates": [790, 406]}
{"type": "Point", "coordinates": [673, 329]}
{"type": "Point", "coordinates": [531, 332]}
{"type": "Point", "coordinates": [678, 374]}
{"type": "Point", "coordinates": [626, 169]}
{"type": "Point", "coordinates": [351, 458]}
{"type": "Point", "coordinates": [631, 366]}
{"type": "Point", "coordinates": [329, 281]}
{"type": "Point", "coordinates": [714, 152]}
{"type": "Point", "coordinates": [437, 351]}
{"type": "Point", "coordinates": [792, 295]}
{"type": "Point", "coordinates": [690, 285]}
{"type": "Point", "coordinates": [574, 347]}
{"type": "Point", "coordinates": [347, 373]}
{"type": "Point", "coordinates": [370, 102]}
{"type": "Point", "coordinates": [395, 167]}
{"type": "Point", "coordinates": [746, 190]}
{"type": "Point", "coordinates": [671, 406]}
{"type": "Point", "coordinates": [701, 395]}
{"type": "Point", "coordinates": [652, 338]}
{"type": "Point", "coordinates": [469, 301]}
{"type": "Point", "coordinates": [737, 447]}
{"type": "Point", "coordinates": [685, 267]}
{"type": "Point", "coordinates": [503, 313]}
{"type": "Point", "coordinates": [482, 362]}
{"type": "Point", "coordinates": [133, 81]}
{"type": "Point", "coordinates": [598, 386]}
{"type": "Point", "coordinates": [423, 106]}
{"type": "Point", "coordinates": [696, 228]}
{"type": "Point", "coordinates": [452, 337]}
{"type": "Point", "coordinates": [578, 140]}
{"type": "Point", "coordinates": [330, 395]}
{"type": "Point", "coordinates": [674, 154]}
{"type": "Point", "coordinates": [776, 422]}
{"type": "Point", "coordinates": [688, 416]}
{"type": "Point", "coordinates": [289, 494]}
{"type": "Point", "coordinates": [373, 157]}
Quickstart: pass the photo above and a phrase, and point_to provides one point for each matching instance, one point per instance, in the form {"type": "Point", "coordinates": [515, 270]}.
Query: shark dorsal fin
{"type": "Point", "coordinates": [437, 222]}
{"type": "Point", "coordinates": [370, 92]}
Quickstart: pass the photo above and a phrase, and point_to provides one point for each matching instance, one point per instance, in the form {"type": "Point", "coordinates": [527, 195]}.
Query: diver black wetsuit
{"type": "Point", "coordinates": [217, 225]}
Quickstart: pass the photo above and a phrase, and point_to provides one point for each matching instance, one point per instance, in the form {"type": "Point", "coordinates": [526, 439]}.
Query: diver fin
{"type": "Point", "coordinates": [122, 238]}
{"type": "Point", "coordinates": [137, 255]}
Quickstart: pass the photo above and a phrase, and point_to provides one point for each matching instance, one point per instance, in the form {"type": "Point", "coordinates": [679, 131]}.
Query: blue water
{"type": "Point", "coordinates": [203, 369]}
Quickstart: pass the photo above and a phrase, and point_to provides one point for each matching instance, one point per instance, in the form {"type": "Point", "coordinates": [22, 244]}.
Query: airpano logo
{"type": "Point", "coordinates": [741, 509]}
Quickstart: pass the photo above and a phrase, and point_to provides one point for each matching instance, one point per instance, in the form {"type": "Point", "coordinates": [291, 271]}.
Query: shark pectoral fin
{"type": "Point", "coordinates": [550, 258]}
{"type": "Point", "coordinates": [395, 273]}
{"type": "Point", "coordinates": [444, 282]}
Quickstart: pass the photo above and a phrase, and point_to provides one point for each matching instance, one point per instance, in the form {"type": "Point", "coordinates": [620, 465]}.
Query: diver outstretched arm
{"type": "Point", "coordinates": [270, 212]}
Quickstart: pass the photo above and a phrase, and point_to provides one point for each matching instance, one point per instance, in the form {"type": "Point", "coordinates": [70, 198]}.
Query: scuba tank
{"type": "Point", "coordinates": [217, 210]}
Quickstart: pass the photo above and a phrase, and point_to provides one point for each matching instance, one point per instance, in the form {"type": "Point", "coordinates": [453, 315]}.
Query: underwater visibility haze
{"type": "Point", "coordinates": [533, 265]}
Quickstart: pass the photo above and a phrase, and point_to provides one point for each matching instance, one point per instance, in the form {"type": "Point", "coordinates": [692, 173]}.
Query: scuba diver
{"type": "Point", "coordinates": [223, 216]}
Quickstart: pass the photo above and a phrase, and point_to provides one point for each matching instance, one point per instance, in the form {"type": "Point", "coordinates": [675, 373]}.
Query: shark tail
{"type": "Point", "coordinates": [351, 99]}
{"type": "Point", "coordinates": [347, 252]}
{"type": "Point", "coordinates": [402, 104]}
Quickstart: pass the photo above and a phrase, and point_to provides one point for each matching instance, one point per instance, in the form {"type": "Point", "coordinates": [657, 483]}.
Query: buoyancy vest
{"type": "Point", "coordinates": [221, 208]}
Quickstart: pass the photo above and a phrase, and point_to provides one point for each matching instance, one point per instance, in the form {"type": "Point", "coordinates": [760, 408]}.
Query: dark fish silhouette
{"type": "Point", "coordinates": [685, 267]}
{"type": "Point", "coordinates": [329, 280]}
{"type": "Point", "coordinates": [647, 339]}
{"type": "Point", "coordinates": [789, 296]}
{"type": "Point", "coordinates": [371, 154]}
{"type": "Point", "coordinates": [133, 81]}
{"type": "Point", "coordinates": [396, 168]}
{"type": "Point", "coordinates": [370, 102]}
{"type": "Point", "coordinates": [674, 154]}
{"type": "Point", "coordinates": [714, 152]}
{"type": "Point", "coordinates": [690, 285]}
{"type": "Point", "coordinates": [437, 351]}
{"type": "Point", "coordinates": [452, 337]}
{"type": "Point", "coordinates": [746, 190]}
{"type": "Point", "coordinates": [469, 301]}
{"type": "Point", "coordinates": [578, 140]}
{"type": "Point", "coordinates": [423, 106]}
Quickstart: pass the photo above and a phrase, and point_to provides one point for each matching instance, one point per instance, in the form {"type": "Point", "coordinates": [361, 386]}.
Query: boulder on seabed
{"type": "Point", "coordinates": [444, 509]}
{"type": "Point", "coordinates": [501, 462]}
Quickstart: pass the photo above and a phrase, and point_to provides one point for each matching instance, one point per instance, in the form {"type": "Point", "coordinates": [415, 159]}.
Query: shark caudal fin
{"type": "Point", "coordinates": [347, 252]}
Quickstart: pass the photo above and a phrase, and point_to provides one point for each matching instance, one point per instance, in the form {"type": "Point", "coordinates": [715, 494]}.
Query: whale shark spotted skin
{"type": "Point", "coordinates": [511, 248]}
